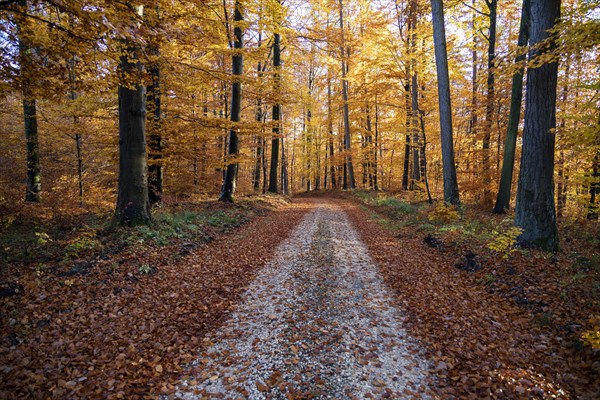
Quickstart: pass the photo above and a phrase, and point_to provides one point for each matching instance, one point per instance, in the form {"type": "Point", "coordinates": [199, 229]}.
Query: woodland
{"type": "Point", "coordinates": [138, 137]}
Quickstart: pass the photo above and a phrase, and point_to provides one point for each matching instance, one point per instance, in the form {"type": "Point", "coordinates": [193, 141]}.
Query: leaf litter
{"type": "Point", "coordinates": [317, 322]}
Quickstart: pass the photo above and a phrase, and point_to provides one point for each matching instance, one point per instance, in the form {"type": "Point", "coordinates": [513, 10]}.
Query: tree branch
{"type": "Point", "coordinates": [476, 10]}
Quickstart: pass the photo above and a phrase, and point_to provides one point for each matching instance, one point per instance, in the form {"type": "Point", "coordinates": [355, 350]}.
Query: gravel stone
{"type": "Point", "coordinates": [317, 322]}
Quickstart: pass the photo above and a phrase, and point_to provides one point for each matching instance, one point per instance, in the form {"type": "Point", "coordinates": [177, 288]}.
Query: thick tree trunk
{"type": "Point", "coordinates": [276, 113]}
{"type": "Point", "coordinates": [534, 212]}
{"type": "Point", "coordinates": [451, 194]}
{"type": "Point", "coordinates": [516, 97]}
{"type": "Point", "coordinates": [414, 94]}
{"type": "Point", "coordinates": [33, 186]}
{"type": "Point", "coordinates": [133, 205]}
{"type": "Point", "coordinates": [230, 179]}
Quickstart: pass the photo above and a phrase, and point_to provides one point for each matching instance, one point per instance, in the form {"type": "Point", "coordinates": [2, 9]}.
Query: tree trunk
{"type": "Point", "coordinates": [155, 143]}
{"type": "Point", "coordinates": [332, 167]}
{"type": "Point", "coordinates": [133, 205]}
{"type": "Point", "coordinates": [534, 212]}
{"type": "Point", "coordinates": [561, 186]}
{"type": "Point", "coordinates": [472, 127]}
{"type": "Point", "coordinates": [414, 93]}
{"type": "Point", "coordinates": [407, 145]}
{"type": "Point", "coordinates": [451, 194]}
{"type": "Point", "coordinates": [229, 181]}
{"type": "Point", "coordinates": [78, 155]}
{"type": "Point", "coordinates": [489, 104]}
{"type": "Point", "coordinates": [376, 148]}
{"type": "Point", "coordinates": [516, 97]}
{"type": "Point", "coordinates": [592, 213]}
{"type": "Point", "coordinates": [284, 175]}
{"type": "Point", "coordinates": [276, 116]}
{"type": "Point", "coordinates": [34, 186]}
{"type": "Point", "coordinates": [349, 182]}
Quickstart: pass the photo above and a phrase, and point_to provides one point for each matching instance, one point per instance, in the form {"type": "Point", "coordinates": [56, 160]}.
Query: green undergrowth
{"type": "Point", "coordinates": [60, 242]}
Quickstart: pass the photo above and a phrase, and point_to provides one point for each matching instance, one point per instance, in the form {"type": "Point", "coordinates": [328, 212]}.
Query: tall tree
{"type": "Point", "coordinates": [237, 67]}
{"type": "Point", "coordinates": [516, 97]}
{"type": "Point", "coordinates": [451, 194]}
{"type": "Point", "coordinates": [276, 107]}
{"type": "Point", "coordinates": [132, 202]}
{"type": "Point", "coordinates": [34, 185]}
{"type": "Point", "coordinates": [534, 212]}
{"type": "Point", "coordinates": [133, 205]}
{"type": "Point", "coordinates": [155, 140]}
{"type": "Point", "coordinates": [490, 99]}
{"type": "Point", "coordinates": [349, 182]}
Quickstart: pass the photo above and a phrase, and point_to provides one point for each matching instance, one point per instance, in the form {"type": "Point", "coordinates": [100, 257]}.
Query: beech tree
{"type": "Point", "coordinates": [26, 59]}
{"type": "Point", "coordinates": [277, 106]}
{"type": "Point", "coordinates": [133, 204]}
{"type": "Point", "coordinates": [535, 212]}
{"type": "Point", "coordinates": [349, 182]}
{"type": "Point", "coordinates": [516, 97]}
{"type": "Point", "coordinates": [229, 180]}
{"type": "Point", "coordinates": [441, 61]}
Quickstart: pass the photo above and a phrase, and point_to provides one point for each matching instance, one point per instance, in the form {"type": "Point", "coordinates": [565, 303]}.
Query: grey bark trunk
{"type": "Point", "coordinates": [516, 97]}
{"type": "Point", "coordinates": [407, 145]}
{"type": "Point", "coordinates": [155, 142]}
{"type": "Point", "coordinates": [133, 205]}
{"type": "Point", "coordinates": [33, 184]}
{"type": "Point", "coordinates": [237, 68]}
{"type": "Point", "coordinates": [330, 127]}
{"type": "Point", "coordinates": [349, 182]}
{"type": "Point", "coordinates": [276, 115]}
{"type": "Point", "coordinates": [451, 194]}
{"type": "Point", "coordinates": [78, 155]}
{"type": "Point", "coordinates": [534, 212]}
{"type": "Point", "coordinates": [489, 104]}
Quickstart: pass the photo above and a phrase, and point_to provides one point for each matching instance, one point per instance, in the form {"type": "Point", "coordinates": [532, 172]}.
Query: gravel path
{"type": "Point", "coordinates": [317, 322]}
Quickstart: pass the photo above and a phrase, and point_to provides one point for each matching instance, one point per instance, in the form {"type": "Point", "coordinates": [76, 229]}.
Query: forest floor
{"type": "Point", "coordinates": [320, 297]}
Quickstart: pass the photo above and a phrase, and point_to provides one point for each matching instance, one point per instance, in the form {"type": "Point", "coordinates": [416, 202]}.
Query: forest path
{"type": "Point", "coordinates": [317, 322]}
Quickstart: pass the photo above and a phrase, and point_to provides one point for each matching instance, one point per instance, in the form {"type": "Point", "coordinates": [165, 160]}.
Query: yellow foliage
{"type": "Point", "coordinates": [504, 238]}
{"type": "Point", "coordinates": [444, 213]}
{"type": "Point", "coordinates": [592, 336]}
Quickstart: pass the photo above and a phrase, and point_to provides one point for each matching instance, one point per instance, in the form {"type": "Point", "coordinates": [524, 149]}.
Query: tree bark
{"type": "Point", "coordinates": [155, 142]}
{"type": "Point", "coordinates": [451, 194]}
{"type": "Point", "coordinates": [414, 93]}
{"type": "Point", "coordinates": [133, 205]}
{"type": "Point", "coordinates": [34, 186]}
{"type": "Point", "coordinates": [407, 144]}
{"type": "Point", "coordinates": [330, 128]}
{"type": "Point", "coordinates": [349, 182]}
{"type": "Point", "coordinates": [489, 104]}
{"type": "Point", "coordinates": [237, 68]}
{"type": "Point", "coordinates": [534, 212]}
{"type": "Point", "coordinates": [592, 213]}
{"type": "Point", "coordinates": [516, 97]}
{"type": "Point", "coordinates": [77, 137]}
{"type": "Point", "coordinates": [276, 113]}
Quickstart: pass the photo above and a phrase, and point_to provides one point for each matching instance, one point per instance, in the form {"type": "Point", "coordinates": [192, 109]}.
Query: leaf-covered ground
{"type": "Point", "coordinates": [123, 323]}
{"type": "Point", "coordinates": [496, 327]}
{"type": "Point", "coordinates": [317, 322]}
{"type": "Point", "coordinates": [89, 313]}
